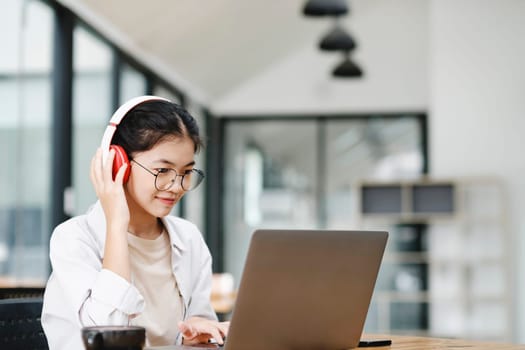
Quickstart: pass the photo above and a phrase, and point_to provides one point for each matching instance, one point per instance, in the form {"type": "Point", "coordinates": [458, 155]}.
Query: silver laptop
{"type": "Point", "coordinates": [305, 289]}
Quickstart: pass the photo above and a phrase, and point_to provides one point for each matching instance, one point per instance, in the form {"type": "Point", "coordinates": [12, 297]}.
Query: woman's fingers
{"type": "Point", "coordinates": [102, 174]}
{"type": "Point", "coordinates": [107, 171]}
{"type": "Point", "coordinates": [110, 192]}
{"type": "Point", "coordinates": [186, 330]}
{"type": "Point", "coordinates": [224, 327]}
{"type": "Point", "coordinates": [92, 167]}
{"type": "Point", "coordinates": [213, 332]}
{"type": "Point", "coordinates": [119, 179]}
{"type": "Point", "coordinates": [96, 171]}
{"type": "Point", "coordinates": [199, 330]}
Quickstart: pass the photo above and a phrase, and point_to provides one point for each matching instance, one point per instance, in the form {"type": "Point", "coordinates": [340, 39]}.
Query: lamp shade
{"type": "Point", "coordinates": [336, 40]}
{"type": "Point", "coordinates": [319, 8]}
{"type": "Point", "coordinates": [347, 69]}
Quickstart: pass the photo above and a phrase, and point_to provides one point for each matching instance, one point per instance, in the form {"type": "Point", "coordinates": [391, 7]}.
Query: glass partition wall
{"type": "Point", "coordinates": [132, 83]}
{"type": "Point", "coordinates": [301, 172]}
{"type": "Point", "coordinates": [25, 95]}
{"type": "Point", "coordinates": [92, 108]}
{"type": "Point", "coordinates": [270, 180]}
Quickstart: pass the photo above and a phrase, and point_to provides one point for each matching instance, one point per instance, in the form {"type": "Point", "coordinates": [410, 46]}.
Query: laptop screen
{"type": "Point", "coordinates": [305, 289]}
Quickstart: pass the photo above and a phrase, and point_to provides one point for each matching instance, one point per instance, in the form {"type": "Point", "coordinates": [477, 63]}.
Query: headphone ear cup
{"type": "Point", "coordinates": [120, 159]}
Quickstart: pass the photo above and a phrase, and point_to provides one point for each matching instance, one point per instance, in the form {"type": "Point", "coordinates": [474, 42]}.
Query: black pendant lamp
{"type": "Point", "coordinates": [347, 68]}
{"type": "Point", "coordinates": [319, 8]}
{"type": "Point", "coordinates": [337, 40]}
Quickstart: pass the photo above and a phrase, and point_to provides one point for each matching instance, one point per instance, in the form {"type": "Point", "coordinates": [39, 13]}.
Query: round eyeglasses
{"type": "Point", "coordinates": [166, 177]}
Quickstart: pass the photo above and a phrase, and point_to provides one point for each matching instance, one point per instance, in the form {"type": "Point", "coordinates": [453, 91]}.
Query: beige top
{"type": "Point", "coordinates": [153, 276]}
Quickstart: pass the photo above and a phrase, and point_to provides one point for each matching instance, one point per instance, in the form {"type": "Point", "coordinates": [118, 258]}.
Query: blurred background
{"type": "Point", "coordinates": [404, 115]}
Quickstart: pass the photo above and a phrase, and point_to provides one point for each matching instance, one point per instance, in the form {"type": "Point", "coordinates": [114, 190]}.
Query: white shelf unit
{"type": "Point", "coordinates": [446, 269]}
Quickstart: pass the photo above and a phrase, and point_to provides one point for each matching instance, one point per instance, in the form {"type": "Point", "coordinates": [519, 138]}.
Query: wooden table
{"type": "Point", "coordinates": [408, 343]}
{"type": "Point", "coordinates": [421, 343]}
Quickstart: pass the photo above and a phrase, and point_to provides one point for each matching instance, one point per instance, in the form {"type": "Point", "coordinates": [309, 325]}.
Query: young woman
{"type": "Point", "coordinates": [127, 261]}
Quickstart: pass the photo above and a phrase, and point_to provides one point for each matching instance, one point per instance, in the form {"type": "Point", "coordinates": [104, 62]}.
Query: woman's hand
{"type": "Point", "coordinates": [110, 192]}
{"type": "Point", "coordinates": [198, 330]}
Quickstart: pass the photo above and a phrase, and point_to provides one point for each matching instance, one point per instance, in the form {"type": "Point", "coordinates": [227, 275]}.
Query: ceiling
{"type": "Point", "coordinates": [208, 47]}
{"type": "Point", "coordinates": [247, 57]}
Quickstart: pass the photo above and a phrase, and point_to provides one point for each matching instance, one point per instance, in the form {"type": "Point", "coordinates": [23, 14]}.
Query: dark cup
{"type": "Point", "coordinates": [114, 337]}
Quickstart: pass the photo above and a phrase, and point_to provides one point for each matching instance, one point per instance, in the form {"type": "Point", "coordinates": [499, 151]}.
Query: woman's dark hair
{"type": "Point", "coordinates": [151, 122]}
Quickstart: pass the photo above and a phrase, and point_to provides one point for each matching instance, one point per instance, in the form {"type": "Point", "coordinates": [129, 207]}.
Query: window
{"type": "Point", "coordinates": [91, 110]}
{"type": "Point", "coordinates": [25, 92]}
{"type": "Point", "coordinates": [300, 172]}
{"type": "Point", "coordinates": [132, 83]}
{"type": "Point", "coordinates": [270, 180]}
{"type": "Point", "coordinates": [193, 202]}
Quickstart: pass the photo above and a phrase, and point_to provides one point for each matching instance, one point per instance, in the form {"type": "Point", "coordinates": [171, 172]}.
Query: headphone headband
{"type": "Point", "coordinates": [117, 117]}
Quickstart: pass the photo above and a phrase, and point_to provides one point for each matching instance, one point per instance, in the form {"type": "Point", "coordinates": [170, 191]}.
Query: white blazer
{"type": "Point", "coordinates": [80, 293]}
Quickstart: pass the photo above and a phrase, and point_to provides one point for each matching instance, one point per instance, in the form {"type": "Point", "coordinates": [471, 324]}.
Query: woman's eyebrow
{"type": "Point", "coordinates": [165, 161]}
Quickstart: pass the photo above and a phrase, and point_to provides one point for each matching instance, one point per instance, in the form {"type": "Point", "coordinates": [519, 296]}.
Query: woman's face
{"type": "Point", "coordinates": [145, 201]}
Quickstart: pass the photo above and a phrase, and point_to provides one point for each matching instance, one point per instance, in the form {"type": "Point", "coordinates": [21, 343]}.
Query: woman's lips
{"type": "Point", "coordinates": [167, 201]}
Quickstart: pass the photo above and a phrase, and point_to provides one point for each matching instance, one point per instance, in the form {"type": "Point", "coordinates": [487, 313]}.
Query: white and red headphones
{"type": "Point", "coordinates": [120, 155]}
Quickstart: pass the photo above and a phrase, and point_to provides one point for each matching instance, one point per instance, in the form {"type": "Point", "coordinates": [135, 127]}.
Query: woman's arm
{"type": "Point", "coordinates": [113, 200]}
{"type": "Point", "coordinates": [80, 289]}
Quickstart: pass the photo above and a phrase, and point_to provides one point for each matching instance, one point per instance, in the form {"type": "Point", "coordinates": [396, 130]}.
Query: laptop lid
{"type": "Point", "coordinates": [305, 289]}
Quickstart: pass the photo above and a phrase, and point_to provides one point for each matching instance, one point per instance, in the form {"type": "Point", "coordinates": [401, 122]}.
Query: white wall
{"type": "Point", "coordinates": [477, 110]}
{"type": "Point", "coordinates": [392, 39]}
